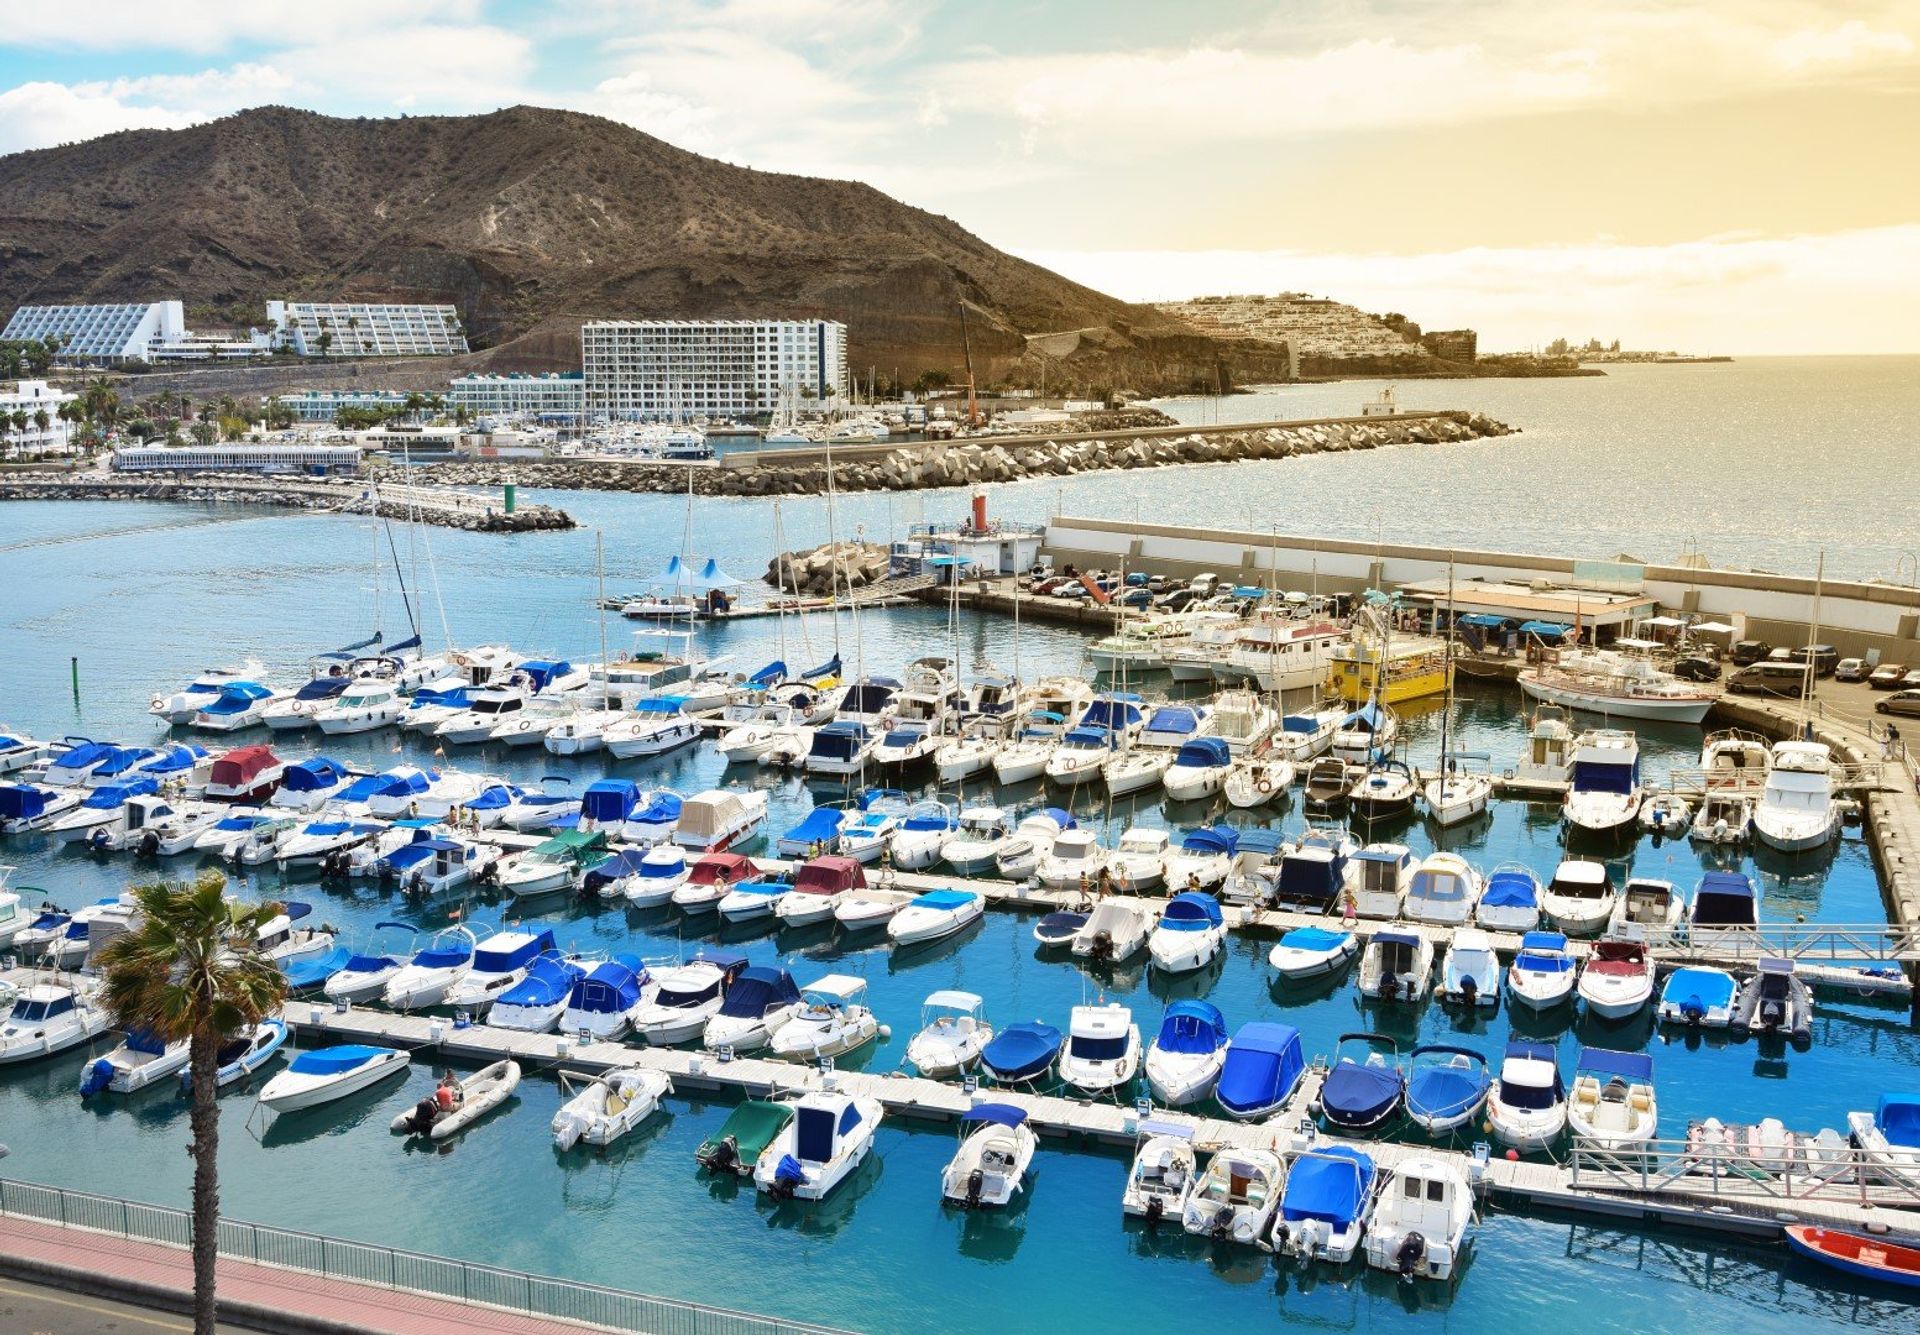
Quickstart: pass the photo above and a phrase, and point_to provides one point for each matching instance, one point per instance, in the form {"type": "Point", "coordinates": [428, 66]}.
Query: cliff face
{"type": "Point", "coordinates": [530, 221]}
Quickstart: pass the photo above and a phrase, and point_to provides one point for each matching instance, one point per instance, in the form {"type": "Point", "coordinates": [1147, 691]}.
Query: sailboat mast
{"type": "Point", "coordinates": [1446, 713]}
{"type": "Point", "coordinates": [833, 541]}
{"type": "Point", "coordinates": [600, 577]}
{"type": "Point", "coordinates": [781, 568]}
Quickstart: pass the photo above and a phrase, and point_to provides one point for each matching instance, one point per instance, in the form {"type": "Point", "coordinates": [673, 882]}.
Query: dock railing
{"type": "Point", "coordinates": [1744, 1174]}
{"type": "Point", "coordinates": [391, 1268]}
{"type": "Point", "coordinates": [1842, 944]}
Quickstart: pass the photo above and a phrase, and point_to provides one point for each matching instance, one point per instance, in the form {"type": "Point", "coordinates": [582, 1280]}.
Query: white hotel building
{"type": "Point", "coordinates": [555, 395]}
{"type": "Point", "coordinates": [34, 397]}
{"type": "Point", "coordinates": [111, 333]}
{"type": "Point", "coordinates": [359, 329]}
{"type": "Point", "coordinates": [652, 369]}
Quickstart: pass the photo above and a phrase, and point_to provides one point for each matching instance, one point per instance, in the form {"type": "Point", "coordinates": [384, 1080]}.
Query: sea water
{"type": "Point", "coordinates": [143, 596]}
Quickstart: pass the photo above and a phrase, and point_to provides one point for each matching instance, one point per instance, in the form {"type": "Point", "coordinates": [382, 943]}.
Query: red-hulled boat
{"type": "Point", "coordinates": [1858, 1254]}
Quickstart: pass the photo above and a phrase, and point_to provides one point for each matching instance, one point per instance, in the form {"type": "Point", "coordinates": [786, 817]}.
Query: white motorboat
{"type": "Point", "coordinates": [431, 706]}
{"type": "Point", "coordinates": [1648, 908]}
{"type": "Point", "coordinates": [1470, 974]}
{"type": "Point", "coordinates": [710, 879]}
{"type": "Point", "coordinates": [180, 707]}
{"type": "Point", "coordinates": [25, 807]}
{"type": "Point", "coordinates": [1457, 795]}
{"type": "Point", "coordinates": [1548, 760]}
{"type": "Point", "coordinates": [952, 1032]}
{"type": "Point", "coordinates": [760, 1002]}
{"type": "Point", "coordinates": [1190, 935]}
{"type": "Point", "coordinates": [1889, 1135]}
{"type": "Point", "coordinates": [472, 1098]}
{"type": "Point", "coordinates": [1203, 858]}
{"type": "Point", "coordinates": [1579, 899]}
{"type": "Point", "coordinates": [1528, 1103]}
{"type": "Point", "coordinates": [830, 1135]}
{"type": "Point", "coordinates": [1073, 861]}
{"type": "Point", "coordinates": [1612, 1103]}
{"type": "Point", "coordinates": [981, 836]}
{"type": "Point", "coordinates": [720, 819]}
{"type": "Point", "coordinates": [1102, 1050]}
{"type": "Point", "coordinates": [1543, 973]}
{"type": "Point", "coordinates": [544, 808]}
{"type": "Point", "coordinates": [1724, 819]}
{"type": "Point", "coordinates": [1385, 871]}
{"type": "Point", "coordinates": [654, 727]}
{"type": "Point", "coordinates": [656, 820]}
{"type": "Point", "coordinates": [1303, 737]}
{"type": "Point", "coordinates": [751, 738]}
{"type": "Point", "coordinates": [753, 899]}
{"type": "Point", "coordinates": [559, 863]}
{"type": "Point", "coordinates": [1698, 998]}
{"type": "Point", "coordinates": [102, 811]}
{"type": "Point", "coordinates": [905, 745]}
{"type": "Point", "coordinates": [1184, 1060]}
{"type": "Point", "coordinates": [840, 748]}
{"type": "Point", "coordinates": [601, 1006]}
{"type": "Point", "coordinates": [279, 942]}
{"type": "Point", "coordinates": [47, 1018]}
{"type": "Point", "coordinates": [365, 975]}
{"type": "Point", "coordinates": [18, 751]}
{"type": "Point", "coordinates": [1666, 815]}
{"type": "Point", "coordinates": [486, 711]}
{"type": "Point", "coordinates": [933, 916]}
{"type": "Point", "coordinates": [1418, 1226]}
{"type": "Point", "coordinates": [608, 1107]}
{"type": "Point", "coordinates": [1163, 1173]}
{"type": "Point", "coordinates": [1797, 810]}
{"type": "Point", "coordinates": [958, 759]}
{"type": "Point", "coordinates": [1735, 760]}
{"type": "Point", "coordinates": [535, 1003]}
{"type": "Point", "coordinates": [1323, 1211]}
{"type": "Point", "coordinates": [308, 785]}
{"type": "Point", "coordinates": [923, 832]}
{"type": "Point", "coordinates": [440, 864]}
{"type": "Point", "coordinates": [1510, 901]}
{"type": "Point", "coordinates": [1114, 931]}
{"type": "Point", "coordinates": [1303, 953]}
{"type": "Point", "coordinates": [1605, 793]}
{"type": "Point", "coordinates": [582, 731]}
{"type": "Point", "coordinates": [1083, 753]}
{"type": "Point", "coordinates": [1447, 1087]}
{"type": "Point", "coordinates": [367, 704]}
{"type": "Point", "coordinates": [432, 972]}
{"type": "Point", "coordinates": [1135, 771]}
{"type": "Point", "coordinates": [243, 1054]}
{"type": "Point", "coordinates": [72, 761]}
{"type": "Point", "coordinates": [1032, 841]}
{"type": "Point", "coordinates": [649, 882]}
{"type": "Point", "coordinates": [323, 843]}
{"type": "Point", "coordinates": [415, 793]}
{"type": "Point", "coordinates": [833, 1021]}
{"type": "Point", "coordinates": [1237, 1196]}
{"type": "Point", "coordinates": [1444, 889]}
{"type": "Point", "coordinates": [820, 886]}
{"type": "Point", "coordinates": [868, 832]}
{"type": "Point", "coordinates": [1257, 782]}
{"type": "Point", "coordinates": [991, 1164]}
{"type": "Point", "coordinates": [499, 961]}
{"type": "Point", "coordinates": [1397, 965]}
{"type": "Point", "coordinates": [1023, 757]}
{"type": "Point", "coordinates": [532, 725]}
{"type": "Point", "coordinates": [686, 997]}
{"type": "Point", "coordinates": [326, 1074]}
{"type": "Point", "coordinates": [1138, 864]}
{"type": "Point", "coordinates": [1199, 769]}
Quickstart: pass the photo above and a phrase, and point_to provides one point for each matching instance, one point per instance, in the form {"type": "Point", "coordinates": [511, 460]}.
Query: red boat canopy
{"type": "Point", "coordinates": [237, 768]}
{"type": "Point", "coordinates": [709, 868]}
{"type": "Point", "coordinates": [830, 875]}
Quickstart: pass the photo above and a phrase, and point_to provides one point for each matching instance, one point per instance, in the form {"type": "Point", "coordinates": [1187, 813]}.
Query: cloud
{"type": "Point", "coordinates": [40, 114]}
{"type": "Point", "coordinates": [440, 68]}
{"type": "Point", "coordinates": [1853, 42]}
{"type": "Point", "coordinates": [214, 25]}
{"type": "Point", "coordinates": [1838, 292]}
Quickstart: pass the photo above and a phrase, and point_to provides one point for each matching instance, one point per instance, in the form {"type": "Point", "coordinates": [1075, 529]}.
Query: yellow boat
{"type": "Point", "coordinates": [1415, 669]}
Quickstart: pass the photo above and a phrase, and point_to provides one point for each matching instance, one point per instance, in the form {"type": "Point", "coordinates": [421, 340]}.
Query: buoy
{"type": "Point", "coordinates": [1513, 1156]}
{"type": "Point", "coordinates": [886, 1032]}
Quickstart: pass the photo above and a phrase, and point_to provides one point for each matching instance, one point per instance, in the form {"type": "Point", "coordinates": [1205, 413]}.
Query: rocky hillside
{"type": "Point", "coordinates": [531, 220]}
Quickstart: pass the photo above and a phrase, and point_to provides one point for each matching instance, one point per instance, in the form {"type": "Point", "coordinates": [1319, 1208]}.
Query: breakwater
{"type": "Point", "coordinates": [924, 464]}
{"type": "Point", "coordinates": [446, 506]}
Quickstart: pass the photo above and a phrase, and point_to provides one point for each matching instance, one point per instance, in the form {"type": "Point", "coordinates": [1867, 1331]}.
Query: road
{"type": "Point", "coordinates": [29, 1309]}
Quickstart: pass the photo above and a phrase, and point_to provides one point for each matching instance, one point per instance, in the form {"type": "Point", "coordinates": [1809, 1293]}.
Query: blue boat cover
{"type": "Point", "coordinates": [822, 824]}
{"type": "Point", "coordinates": [321, 688]}
{"type": "Point", "coordinates": [335, 1061]}
{"type": "Point", "coordinates": [1192, 1026]}
{"type": "Point", "coordinates": [542, 671]}
{"type": "Point", "coordinates": [22, 801]}
{"type": "Point", "coordinates": [1359, 1093]}
{"type": "Point", "coordinates": [310, 971]}
{"type": "Point", "coordinates": [1724, 898]}
{"type": "Point", "coordinates": [1003, 1114]}
{"type": "Point", "coordinates": [1697, 991]}
{"type": "Point", "coordinates": [1898, 1118]}
{"type": "Point", "coordinates": [120, 759]}
{"type": "Point", "coordinates": [118, 793]}
{"type": "Point", "coordinates": [874, 796]}
{"type": "Point", "coordinates": [943, 899]}
{"type": "Point", "coordinates": [456, 696]}
{"type": "Point", "coordinates": [1203, 752]}
{"type": "Point", "coordinates": [1173, 718]}
{"type": "Point", "coordinates": [1628, 1065]}
{"type": "Point", "coordinates": [494, 797]}
{"type": "Point", "coordinates": [1064, 819]}
{"type": "Point", "coordinates": [1300, 723]}
{"type": "Point", "coordinates": [661, 704]}
{"type": "Point", "coordinates": [1211, 839]}
{"type": "Point", "coordinates": [1440, 1090]}
{"type": "Point", "coordinates": [1512, 890]}
{"type": "Point", "coordinates": [549, 980]}
{"type": "Point", "coordinates": [929, 816]}
{"type": "Point", "coordinates": [410, 855]}
{"type": "Point", "coordinates": [1544, 629]}
{"type": "Point", "coordinates": [830, 668]}
{"type": "Point", "coordinates": [1264, 1065]}
{"type": "Point", "coordinates": [442, 957]}
{"type": "Point", "coordinates": [1315, 938]}
{"type": "Point", "coordinates": [175, 758]}
{"type": "Point", "coordinates": [496, 956]}
{"type": "Point", "coordinates": [404, 782]}
{"type": "Point", "coordinates": [663, 808]}
{"type": "Point", "coordinates": [360, 789]}
{"type": "Point", "coordinates": [1605, 776]}
{"type": "Point", "coordinates": [1260, 840]}
{"type": "Point", "coordinates": [313, 775]}
{"type": "Point", "coordinates": [608, 800]}
{"type": "Point", "coordinates": [1329, 1184]}
{"type": "Point", "coordinates": [1110, 711]}
{"type": "Point", "coordinates": [1485, 620]}
{"type": "Point", "coordinates": [369, 963]}
{"type": "Point", "coordinates": [1309, 880]}
{"type": "Point", "coordinates": [1021, 1051]}
{"type": "Point", "coordinates": [769, 675]}
{"type": "Point", "coordinates": [757, 990]}
{"type": "Point", "coordinates": [238, 697]}
{"type": "Point", "coordinates": [906, 736]}
{"type": "Point", "coordinates": [612, 988]}
{"type": "Point", "coordinates": [1089, 735]}
{"type": "Point", "coordinates": [1367, 718]}
{"type": "Point", "coordinates": [1555, 941]}
{"type": "Point", "coordinates": [1191, 911]}
{"type": "Point", "coordinates": [1540, 1052]}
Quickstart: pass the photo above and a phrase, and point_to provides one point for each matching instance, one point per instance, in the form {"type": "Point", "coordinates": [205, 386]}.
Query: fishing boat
{"type": "Point", "coordinates": [1511, 900]}
{"type": "Point", "coordinates": [1323, 1212]}
{"type": "Point", "coordinates": [142, 1059]}
{"type": "Point", "coordinates": [720, 819]}
{"type": "Point", "coordinates": [933, 916]}
{"type": "Point", "coordinates": [830, 1135]}
{"type": "Point", "coordinates": [1543, 973]}
{"type": "Point", "coordinates": [1612, 1103]}
{"type": "Point", "coordinates": [832, 1021]}
{"type": "Point", "coordinates": [952, 1033]}
{"type": "Point", "coordinates": [47, 1018]}
{"type": "Point", "coordinates": [364, 977]}
{"type": "Point", "coordinates": [1447, 1087]}
{"type": "Point", "coordinates": [1418, 1225]}
{"type": "Point", "coordinates": [1579, 899]}
{"type": "Point", "coordinates": [1648, 908]}
{"type": "Point", "coordinates": [1021, 1052]}
{"type": "Point", "coordinates": [760, 1001]}
{"type": "Point", "coordinates": [1304, 953]}
{"type": "Point", "coordinates": [1890, 1134]}
{"type": "Point", "coordinates": [1444, 889]}
{"type": "Point", "coordinates": [975, 844]}
{"type": "Point", "coordinates": [432, 972]}
{"type": "Point", "coordinates": [241, 1055]}
{"type": "Point", "coordinates": [996, 1149]}
{"type": "Point", "coordinates": [1723, 820]}
{"type": "Point", "coordinates": [608, 1107]}
{"type": "Point", "coordinates": [1797, 809]}
{"type": "Point", "coordinates": [1470, 974]}
{"type": "Point", "coordinates": [1397, 965]}
{"type": "Point", "coordinates": [1114, 931]}
{"type": "Point", "coordinates": [1365, 736]}
{"type": "Point", "coordinates": [1617, 981]}
{"type": "Point", "coordinates": [1163, 1172]}
{"type": "Point", "coordinates": [473, 1098]}
{"type": "Point", "coordinates": [1528, 1103]}
{"type": "Point", "coordinates": [711, 878]}
{"type": "Point", "coordinates": [1236, 1197]}
{"type": "Point", "coordinates": [686, 997]}
{"type": "Point", "coordinates": [1616, 685]}
{"type": "Point", "coordinates": [600, 1006]}
{"type": "Point", "coordinates": [1871, 1258]}
{"type": "Point", "coordinates": [1263, 1068]}
{"type": "Point", "coordinates": [1548, 760]}
{"type": "Point", "coordinates": [1774, 1001]}
{"type": "Point", "coordinates": [1605, 793]}
{"type": "Point", "coordinates": [325, 1075]}
{"type": "Point", "coordinates": [1191, 933]}
{"type": "Point", "coordinates": [820, 886]}
{"type": "Point", "coordinates": [1199, 769]}
{"type": "Point", "coordinates": [749, 1129]}
{"type": "Point", "coordinates": [1365, 1085]}
{"type": "Point", "coordinates": [1698, 998]}
{"type": "Point", "coordinates": [1184, 1060]}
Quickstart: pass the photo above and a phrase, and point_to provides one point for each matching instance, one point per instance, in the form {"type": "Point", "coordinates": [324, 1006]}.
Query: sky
{"type": "Point", "coordinates": [1704, 175]}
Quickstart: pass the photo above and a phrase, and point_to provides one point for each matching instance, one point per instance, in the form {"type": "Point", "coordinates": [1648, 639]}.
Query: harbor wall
{"type": "Point", "coordinates": [1854, 616]}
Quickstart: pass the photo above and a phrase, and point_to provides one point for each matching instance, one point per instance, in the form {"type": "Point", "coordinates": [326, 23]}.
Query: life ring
{"type": "Point", "coordinates": [1263, 784]}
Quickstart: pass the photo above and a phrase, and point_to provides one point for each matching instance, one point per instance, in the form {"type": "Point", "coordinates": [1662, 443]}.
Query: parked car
{"type": "Point", "coordinates": [1825, 658]}
{"type": "Point", "coordinates": [1784, 654]}
{"type": "Point", "coordinates": [1203, 585]}
{"type": "Point", "coordinates": [1850, 669]}
{"type": "Point", "coordinates": [1697, 667]}
{"type": "Point", "coordinates": [1050, 584]}
{"type": "Point", "coordinates": [1900, 702]}
{"type": "Point", "coordinates": [1749, 651]}
{"type": "Point", "coordinates": [1137, 579]}
{"type": "Point", "coordinates": [1888, 677]}
{"type": "Point", "coordinates": [1073, 590]}
{"type": "Point", "coordinates": [1912, 679]}
{"type": "Point", "coordinates": [1136, 598]}
{"type": "Point", "coordinates": [1771, 678]}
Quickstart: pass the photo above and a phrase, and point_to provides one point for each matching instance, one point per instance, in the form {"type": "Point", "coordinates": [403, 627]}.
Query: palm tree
{"type": "Point", "coordinates": [191, 971]}
{"type": "Point", "coordinates": [42, 420]}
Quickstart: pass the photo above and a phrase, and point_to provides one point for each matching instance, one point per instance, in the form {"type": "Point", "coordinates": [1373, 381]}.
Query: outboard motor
{"type": "Point", "coordinates": [1102, 947]}
{"type": "Point", "coordinates": [1409, 1258]}
{"type": "Point", "coordinates": [723, 1157]}
{"type": "Point", "coordinates": [1156, 1210]}
{"type": "Point", "coordinates": [96, 1078]}
{"type": "Point", "coordinates": [1390, 987]}
{"type": "Point", "coordinates": [976, 1183]}
{"type": "Point", "coordinates": [1222, 1223]}
{"type": "Point", "coordinates": [1773, 1012]}
{"type": "Point", "coordinates": [149, 844]}
{"type": "Point", "coordinates": [424, 1114]}
{"type": "Point", "coordinates": [1470, 990]}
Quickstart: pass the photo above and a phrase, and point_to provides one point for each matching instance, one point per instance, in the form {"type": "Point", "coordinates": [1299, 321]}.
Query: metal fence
{"type": "Point", "coordinates": [390, 1268]}
{"type": "Point", "coordinates": [1735, 1172]}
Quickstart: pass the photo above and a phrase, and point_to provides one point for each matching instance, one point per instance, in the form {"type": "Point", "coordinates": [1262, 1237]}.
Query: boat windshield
{"type": "Point", "coordinates": [1090, 1049]}
{"type": "Point", "coordinates": [1528, 1098]}
{"type": "Point", "coordinates": [680, 998]}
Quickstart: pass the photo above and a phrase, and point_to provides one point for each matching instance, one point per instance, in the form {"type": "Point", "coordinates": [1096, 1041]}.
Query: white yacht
{"type": "Point", "coordinates": [1282, 656]}
{"type": "Point", "coordinates": [952, 1032]}
{"type": "Point", "coordinates": [1418, 1226]}
{"type": "Point", "coordinates": [991, 1164]}
{"type": "Point", "coordinates": [368, 703]}
{"type": "Point", "coordinates": [1549, 755]}
{"type": "Point", "coordinates": [1617, 685]}
{"type": "Point", "coordinates": [1579, 899]}
{"type": "Point", "coordinates": [1102, 1051]}
{"type": "Point", "coordinates": [1797, 810]}
{"type": "Point", "coordinates": [654, 727]}
{"type": "Point", "coordinates": [1606, 793]}
{"type": "Point", "coordinates": [830, 1135]}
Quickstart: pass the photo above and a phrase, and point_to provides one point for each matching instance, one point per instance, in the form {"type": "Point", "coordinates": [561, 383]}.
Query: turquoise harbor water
{"type": "Point", "coordinates": [145, 595]}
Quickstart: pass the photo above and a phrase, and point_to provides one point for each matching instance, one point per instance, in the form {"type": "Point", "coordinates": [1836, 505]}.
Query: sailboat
{"type": "Point", "coordinates": [1454, 795]}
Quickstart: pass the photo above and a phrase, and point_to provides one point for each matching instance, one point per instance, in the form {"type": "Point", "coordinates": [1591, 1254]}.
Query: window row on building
{"type": "Point", "coordinates": [651, 369]}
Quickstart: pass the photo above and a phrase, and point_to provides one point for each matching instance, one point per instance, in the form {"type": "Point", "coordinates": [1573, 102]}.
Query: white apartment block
{"type": "Point", "coordinates": [319, 405]}
{"type": "Point", "coordinates": [518, 395]}
{"type": "Point", "coordinates": [653, 369]}
{"type": "Point", "coordinates": [360, 329]}
{"type": "Point", "coordinates": [113, 333]}
{"type": "Point", "coordinates": [34, 397]}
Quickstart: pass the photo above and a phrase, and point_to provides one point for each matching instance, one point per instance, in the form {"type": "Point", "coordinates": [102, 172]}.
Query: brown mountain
{"type": "Point", "coordinates": [531, 220]}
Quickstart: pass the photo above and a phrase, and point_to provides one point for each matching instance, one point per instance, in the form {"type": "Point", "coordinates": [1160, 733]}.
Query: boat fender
{"type": "Point", "coordinates": [1413, 1250]}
